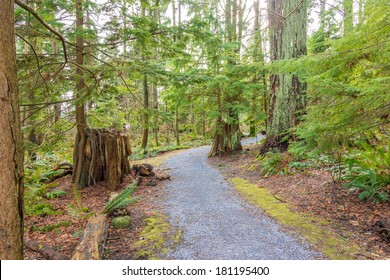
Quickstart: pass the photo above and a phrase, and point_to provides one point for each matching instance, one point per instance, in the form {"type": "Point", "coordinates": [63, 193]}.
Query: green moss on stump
{"type": "Point", "coordinates": [121, 222]}
{"type": "Point", "coordinates": [313, 229]}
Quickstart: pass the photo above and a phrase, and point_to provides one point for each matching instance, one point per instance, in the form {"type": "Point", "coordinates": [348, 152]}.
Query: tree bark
{"type": "Point", "coordinates": [155, 108]}
{"type": "Point", "coordinates": [227, 133]}
{"type": "Point", "coordinates": [79, 159]}
{"type": "Point", "coordinates": [226, 137]}
{"type": "Point", "coordinates": [288, 22]}
{"type": "Point", "coordinates": [145, 133]}
{"type": "Point", "coordinates": [177, 136]}
{"type": "Point", "coordinates": [322, 15]}
{"type": "Point", "coordinates": [11, 154]}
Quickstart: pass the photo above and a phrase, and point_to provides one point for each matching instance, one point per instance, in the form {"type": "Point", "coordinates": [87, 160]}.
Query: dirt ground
{"type": "Point", "coordinates": [314, 192]}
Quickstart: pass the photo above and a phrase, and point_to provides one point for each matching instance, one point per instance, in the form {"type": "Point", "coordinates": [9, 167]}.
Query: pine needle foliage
{"type": "Point", "coordinates": [348, 78]}
{"type": "Point", "coordinates": [349, 83]}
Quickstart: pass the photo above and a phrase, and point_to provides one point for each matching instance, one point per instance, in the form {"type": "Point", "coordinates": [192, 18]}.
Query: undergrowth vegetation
{"type": "Point", "coordinates": [363, 169]}
{"type": "Point", "coordinates": [345, 125]}
{"type": "Point", "coordinates": [123, 199]}
{"type": "Point", "coordinates": [37, 192]}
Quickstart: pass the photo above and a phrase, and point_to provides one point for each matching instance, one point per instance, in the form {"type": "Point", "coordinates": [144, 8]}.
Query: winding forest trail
{"type": "Point", "coordinates": [216, 222]}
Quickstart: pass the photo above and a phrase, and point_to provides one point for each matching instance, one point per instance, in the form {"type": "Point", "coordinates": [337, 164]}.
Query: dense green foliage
{"type": "Point", "coordinates": [201, 66]}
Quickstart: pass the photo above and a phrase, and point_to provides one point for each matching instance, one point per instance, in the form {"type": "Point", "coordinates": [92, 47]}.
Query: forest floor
{"type": "Point", "coordinates": [61, 231]}
{"type": "Point", "coordinates": [175, 220]}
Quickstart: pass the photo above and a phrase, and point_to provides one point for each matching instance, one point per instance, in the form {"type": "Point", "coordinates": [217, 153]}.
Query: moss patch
{"type": "Point", "coordinates": [313, 229]}
{"type": "Point", "coordinates": [157, 238]}
{"type": "Point", "coordinates": [121, 222]}
{"type": "Point", "coordinates": [49, 228]}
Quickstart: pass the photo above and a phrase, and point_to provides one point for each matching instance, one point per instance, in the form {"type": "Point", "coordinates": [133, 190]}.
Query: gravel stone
{"type": "Point", "coordinates": [216, 223]}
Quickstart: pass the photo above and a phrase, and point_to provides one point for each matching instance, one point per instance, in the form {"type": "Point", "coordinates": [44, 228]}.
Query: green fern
{"type": "Point", "coordinates": [270, 163]}
{"type": "Point", "coordinates": [122, 199]}
{"type": "Point", "coordinates": [370, 186]}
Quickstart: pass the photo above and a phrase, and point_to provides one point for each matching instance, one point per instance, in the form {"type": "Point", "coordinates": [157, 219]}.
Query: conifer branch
{"type": "Point", "coordinates": [26, 7]}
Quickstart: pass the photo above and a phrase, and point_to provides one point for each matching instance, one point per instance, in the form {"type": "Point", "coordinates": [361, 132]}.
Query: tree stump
{"type": "Point", "coordinates": [102, 157]}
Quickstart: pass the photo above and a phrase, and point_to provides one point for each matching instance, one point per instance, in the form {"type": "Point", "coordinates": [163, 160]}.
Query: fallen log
{"type": "Point", "coordinates": [43, 249]}
{"type": "Point", "coordinates": [92, 243]}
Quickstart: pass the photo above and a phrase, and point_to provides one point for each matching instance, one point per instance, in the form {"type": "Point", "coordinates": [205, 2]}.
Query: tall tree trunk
{"type": "Point", "coordinates": [79, 159]}
{"type": "Point", "coordinates": [179, 10]}
{"type": "Point", "coordinates": [33, 137]}
{"type": "Point", "coordinates": [11, 154]}
{"type": "Point", "coordinates": [257, 57]}
{"type": "Point", "coordinates": [226, 137]}
{"type": "Point", "coordinates": [177, 126]}
{"type": "Point", "coordinates": [167, 126]}
{"type": "Point", "coordinates": [177, 135]}
{"type": "Point", "coordinates": [228, 21]}
{"type": "Point", "coordinates": [145, 133]}
{"type": "Point", "coordinates": [155, 109]}
{"type": "Point", "coordinates": [288, 27]}
{"type": "Point", "coordinates": [227, 133]}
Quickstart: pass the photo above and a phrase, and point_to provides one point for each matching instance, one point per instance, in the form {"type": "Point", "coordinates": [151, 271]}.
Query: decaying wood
{"type": "Point", "coordinates": [47, 252]}
{"type": "Point", "coordinates": [143, 169]}
{"type": "Point", "coordinates": [104, 158]}
{"type": "Point", "coordinates": [92, 243]}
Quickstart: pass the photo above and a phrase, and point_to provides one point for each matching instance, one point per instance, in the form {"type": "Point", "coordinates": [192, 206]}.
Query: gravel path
{"type": "Point", "coordinates": [216, 222]}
